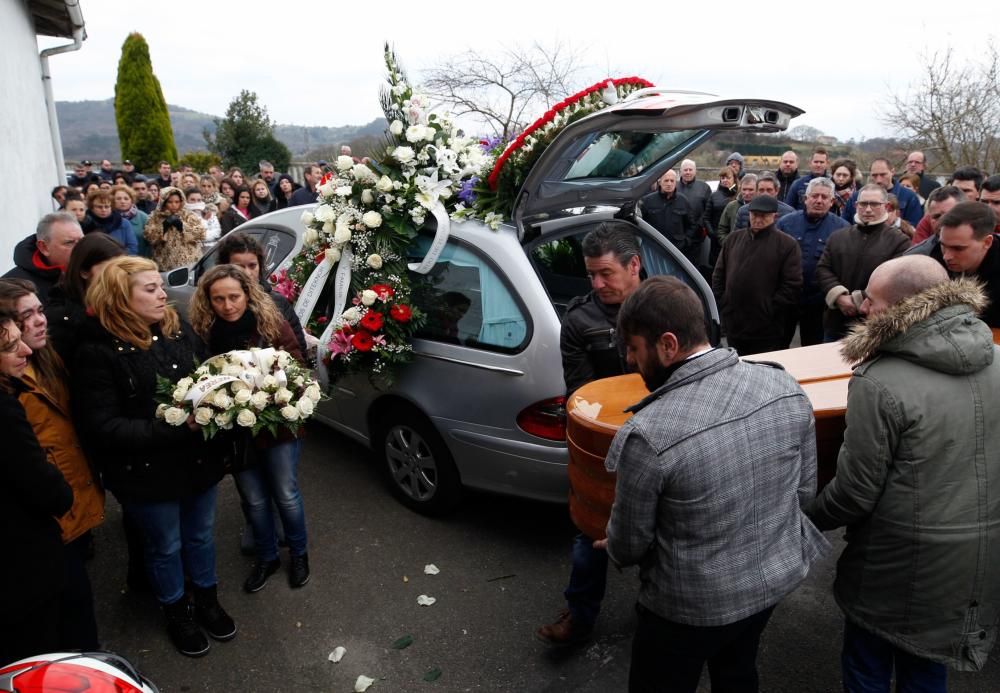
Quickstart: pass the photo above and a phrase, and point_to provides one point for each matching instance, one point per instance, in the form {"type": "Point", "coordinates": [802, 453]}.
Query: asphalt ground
{"type": "Point", "coordinates": [503, 565]}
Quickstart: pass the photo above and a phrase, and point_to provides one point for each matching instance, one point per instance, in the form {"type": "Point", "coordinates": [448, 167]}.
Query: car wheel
{"type": "Point", "coordinates": [417, 465]}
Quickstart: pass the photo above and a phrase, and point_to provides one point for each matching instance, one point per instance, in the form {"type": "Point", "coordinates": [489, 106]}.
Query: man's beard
{"type": "Point", "coordinates": [654, 374]}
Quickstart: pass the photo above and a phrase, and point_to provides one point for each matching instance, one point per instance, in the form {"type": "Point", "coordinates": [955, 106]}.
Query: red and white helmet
{"type": "Point", "coordinates": [68, 672]}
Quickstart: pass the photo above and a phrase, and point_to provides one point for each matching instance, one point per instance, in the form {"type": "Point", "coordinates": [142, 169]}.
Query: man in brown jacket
{"type": "Point", "coordinates": [851, 255]}
{"type": "Point", "coordinates": [758, 277]}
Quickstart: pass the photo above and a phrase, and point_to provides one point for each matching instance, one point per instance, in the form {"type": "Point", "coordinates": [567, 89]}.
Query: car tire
{"type": "Point", "coordinates": [416, 464]}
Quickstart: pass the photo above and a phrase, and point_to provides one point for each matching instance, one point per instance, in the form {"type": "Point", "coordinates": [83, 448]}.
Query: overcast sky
{"type": "Point", "coordinates": [320, 63]}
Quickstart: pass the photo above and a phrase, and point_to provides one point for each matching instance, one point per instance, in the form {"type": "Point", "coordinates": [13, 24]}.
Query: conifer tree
{"type": "Point", "coordinates": [144, 130]}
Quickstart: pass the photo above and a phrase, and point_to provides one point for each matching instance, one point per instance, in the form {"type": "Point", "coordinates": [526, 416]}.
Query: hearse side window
{"type": "Point", "coordinates": [466, 301]}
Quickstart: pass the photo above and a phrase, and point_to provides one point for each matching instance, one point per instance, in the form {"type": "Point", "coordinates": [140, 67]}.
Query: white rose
{"type": "Point", "coordinates": [161, 410]}
{"type": "Point", "coordinates": [238, 386]}
{"type": "Point", "coordinates": [289, 412]}
{"type": "Point", "coordinates": [246, 418]}
{"type": "Point", "coordinates": [396, 128]}
{"type": "Point", "coordinates": [332, 256]}
{"type": "Point", "coordinates": [344, 163]}
{"type": "Point", "coordinates": [283, 358]}
{"type": "Point", "coordinates": [313, 393]}
{"type": "Point", "coordinates": [224, 420]}
{"type": "Point", "coordinates": [414, 133]}
{"type": "Point", "coordinates": [310, 237]}
{"type": "Point", "coordinates": [344, 190]}
{"type": "Point", "coordinates": [242, 397]}
{"type": "Point", "coordinates": [375, 261]}
{"type": "Point", "coordinates": [367, 196]}
{"type": "Point", "coordinates": [351, 315]}
{"type": "Point", "coordinates": [372, 219]}
{"type": "Point", "coordinates": [233, 370]}
{"type": "Point", "coordinates": [307, 218]}
{"type": "Point", "coordinates": [368, 297]}
{"type": "Point", "coordinates": [342, 234]}
{"type": "Point", "coordinates": [179, 393]}
{"type": "Point", "coordinates": [362, 173]}
{"type": "Point", "coordinates": [328, 227]}
{"type": "Point", "coordinates": [203, 416]}
{"type": "Point", "coordinates": [259, 400]}
{"type": "Point", "coordinates": [222, 400]}
{"type": "Point", "coordinates": [299, 381]}
{"type": "Point", "coordinates": [269, 382]}
{"type": "Point", "coordinates": [283, 396]}
{"type": "Point", "coordinates": [305, 406]}
{"type": "Point", "coordinates": [325, 213]}
{"type": "Point", "coordinates": [185, 383]}
{"type": "Point", "coordinates": [175, 416]}
{"type": "Point", "coordinates": [384, 184]}
{"type": "Point", "coordinates": [403, 154]}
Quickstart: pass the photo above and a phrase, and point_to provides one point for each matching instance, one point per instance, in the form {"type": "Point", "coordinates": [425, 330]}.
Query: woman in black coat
{"type": "Point", "coordinates": [164, 476]}
{"type": "Point", "coordinates": [33, 493]}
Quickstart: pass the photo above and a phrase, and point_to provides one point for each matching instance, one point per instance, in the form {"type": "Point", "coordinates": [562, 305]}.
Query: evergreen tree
{"type": "Point", "coordinates": [246, 135]}
{"type": "Point", "coordinates": [144, 130]}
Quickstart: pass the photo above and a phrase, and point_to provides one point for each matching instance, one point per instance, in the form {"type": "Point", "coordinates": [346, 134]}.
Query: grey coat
{"type": "Point", "coordinates": [918, 479]}
{"type": "Point", "coordinates": [712, 470]}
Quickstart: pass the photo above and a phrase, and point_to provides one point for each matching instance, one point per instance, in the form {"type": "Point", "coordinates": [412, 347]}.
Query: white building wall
{"type": "Point", "coordinates": [29, 167]}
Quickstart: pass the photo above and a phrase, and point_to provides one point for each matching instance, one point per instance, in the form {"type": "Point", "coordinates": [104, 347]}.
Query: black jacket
{"type": "Point", "coordinates": [33, 493]}
{"type": "Point", "coordinates": [988, 273]}
{"type": "Point", "coordinates": [697, 193]}
{"type": "Point", "coordinates": [288, 313]}
{"type": "Point", "coordinates": [143, 459]}
{"type": "Point", "coordinates": [302, 196]}
{"type": "Point", "coordinates": [588, 343]}
{"type": "Point", "coordinates": [716, 204]}
{"type": "Point", "coordinates": [66, 317]}
{"type": "Point", "coordinates": [28, 265]}
{"type": "Point", "coordinates": [671, 217]}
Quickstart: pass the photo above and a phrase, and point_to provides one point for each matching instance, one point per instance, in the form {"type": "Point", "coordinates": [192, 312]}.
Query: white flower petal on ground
{"type": "Point", "coordinates": [424, 600]}
{"type": "Point", "coordinates": [337, 654]}
{"type": "Point", "coordinates": [362, 684]}
{"type": "Point", "coordinates": [431, 569]}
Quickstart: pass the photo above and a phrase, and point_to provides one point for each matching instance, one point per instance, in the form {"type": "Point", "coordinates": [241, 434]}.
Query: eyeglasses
{"type": "Point", "coordinates": [871, 205]}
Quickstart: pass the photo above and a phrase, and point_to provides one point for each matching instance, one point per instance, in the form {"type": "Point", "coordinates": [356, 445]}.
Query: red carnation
{"type": "Point", "coordinates": [401, 312]}
{"type": "Point", "coordinates": [372, 321]}
{"type": "Point", "coordinates": [326, 178]}
{"type": "Point", "coordinates": [384, 291]}
{"type": "Point", "coordinates": [319, 258]}
{"type": "Point", "coordinates": [362, 340]}
{"type": "Point", "coordinates": [322, 320]}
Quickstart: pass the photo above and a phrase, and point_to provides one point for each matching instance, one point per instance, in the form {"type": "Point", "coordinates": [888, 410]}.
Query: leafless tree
{"type": "Point", "coordinates": [503, 90]}
{"type": "Point", "coordinates": [954, 110]}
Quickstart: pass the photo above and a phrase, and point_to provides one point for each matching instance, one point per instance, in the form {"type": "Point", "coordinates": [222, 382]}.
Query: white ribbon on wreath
{"type": "Point", "coordinates": [306, 302]}
{"type": "Point", "coordinates": [437, 245]}
{"type": "Point", "coordinates": [341, 290]}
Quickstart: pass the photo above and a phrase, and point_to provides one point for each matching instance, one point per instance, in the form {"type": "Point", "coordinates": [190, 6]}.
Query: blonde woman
{"type": "Point", "coordinates": [164, 476]}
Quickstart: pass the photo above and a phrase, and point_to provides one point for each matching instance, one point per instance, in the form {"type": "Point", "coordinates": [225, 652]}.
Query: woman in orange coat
{"type": "Point", "coordinates": [45, 399]}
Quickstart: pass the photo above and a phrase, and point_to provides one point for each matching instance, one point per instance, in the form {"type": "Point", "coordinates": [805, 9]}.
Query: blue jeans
{"type": "Point", "coordinates": [867, 662]}
{"type": "Point", "coordinates": [274, 478]}
{"type": "Point", "coordinates": [587, 581]}
{"type": "Point", "coordinates": [179, 537]}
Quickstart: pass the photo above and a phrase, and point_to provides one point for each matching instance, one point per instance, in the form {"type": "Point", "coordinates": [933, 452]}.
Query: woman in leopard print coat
{"type": "Point", "coordinates": [173, 247]}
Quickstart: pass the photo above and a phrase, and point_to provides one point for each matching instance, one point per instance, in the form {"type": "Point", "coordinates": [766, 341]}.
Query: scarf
{"type": "Point", "coordinates": [109, 223]}
{"type": "Point", "coordinates": [226, 336]}
{"type": "Point", "coordinates": [130, 214]}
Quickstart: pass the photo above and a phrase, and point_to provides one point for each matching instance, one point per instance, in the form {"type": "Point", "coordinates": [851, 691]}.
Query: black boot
{"type": "Point", "coordinates": [259, 574]}
{"type": "Point", "coordinates": [298, 570]}
{"type": "Point", "coordinates": [210, 614]}
{"type": "Point", "coordinates": [184, 632]}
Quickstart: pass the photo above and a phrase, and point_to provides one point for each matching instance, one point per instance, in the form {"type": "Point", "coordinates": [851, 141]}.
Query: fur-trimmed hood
{"type": "Point", "coordinates": [936, 328]}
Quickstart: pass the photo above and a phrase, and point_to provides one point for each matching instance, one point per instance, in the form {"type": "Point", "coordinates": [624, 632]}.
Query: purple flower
{"type": "Point", "coordinates": [490, 143]}
{"type": "Point", "coordinates": [466, 194]}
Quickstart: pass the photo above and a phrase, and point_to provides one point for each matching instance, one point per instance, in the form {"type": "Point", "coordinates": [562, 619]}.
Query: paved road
{"type": "Point", "coordinates": [503, 566]}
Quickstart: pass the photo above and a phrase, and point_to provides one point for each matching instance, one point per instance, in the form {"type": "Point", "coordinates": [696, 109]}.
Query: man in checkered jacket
{"type": "Point", "coordinates": [712, 470]}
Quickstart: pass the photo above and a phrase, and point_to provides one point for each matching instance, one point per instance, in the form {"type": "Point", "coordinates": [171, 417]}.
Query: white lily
{"type": "Point", "coordinates": [431, 189]}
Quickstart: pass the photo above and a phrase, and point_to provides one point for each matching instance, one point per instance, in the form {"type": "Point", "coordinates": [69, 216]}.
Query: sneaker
{"type": "Point", "coordinates": [564, 631]}
{"type": "Point", "coordinates": [211, 616]}
{"type": "Point", "coordinates": [259, 574]}
{"type": "Point", "coordinates": [298, 570]}
{"type": "Point", "coordinates": [183, 631]}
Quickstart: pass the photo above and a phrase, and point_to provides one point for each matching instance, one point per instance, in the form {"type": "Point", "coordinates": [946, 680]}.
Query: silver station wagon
{"type": "Point", "coordinates": [482, 403]}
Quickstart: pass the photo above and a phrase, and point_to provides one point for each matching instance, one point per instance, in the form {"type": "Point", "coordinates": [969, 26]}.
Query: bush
{"type": "Point", "coordinates": [144, 130]}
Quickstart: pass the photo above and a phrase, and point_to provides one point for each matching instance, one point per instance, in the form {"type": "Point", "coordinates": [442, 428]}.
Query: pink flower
{"type": "Point", "coordinates": [340, 343]}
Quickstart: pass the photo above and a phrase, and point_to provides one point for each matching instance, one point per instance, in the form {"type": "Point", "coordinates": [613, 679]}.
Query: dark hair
{"type": "Point", "coordinates": [977, 215]}
{"type": "Point", "coordinates": [821, 150]}
{"type": "Point", "coordinates": [6, 316]}
{"type": "Point", "coordinates": [237, 243]}
{"type": "Point", "coordinates": [846, 163]}
{"type": "Point", "coordinates": [56, 190]}
{"type": "Point", "coordinates": [241, 189]}
{"type": "Point", "coordinates": [189, 191]}
{"type": "Point", "coordinates": [163, 162]}
{"type": "Point", "coordinates": [991, 184]}
{"type": "Point", "coordinates": [49, 368]}
{"type": "Point", "coordinates": [969, 173]}
{"type": "Point", "coordinates": [663, 304]}
{"type": "Point", "coordinates": [943, 193]}
{"type": "Point", "coordinates": [612, 237]}
{"type": "Point", "coordinates": [91, 250]}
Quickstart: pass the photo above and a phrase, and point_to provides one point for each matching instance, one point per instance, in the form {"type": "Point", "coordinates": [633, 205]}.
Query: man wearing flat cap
{"type": "Point", "coordinates": [758, 277]}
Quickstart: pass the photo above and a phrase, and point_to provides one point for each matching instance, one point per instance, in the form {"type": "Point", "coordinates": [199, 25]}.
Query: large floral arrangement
{"type": "Point", "coordinates": [366, 219]}
{"type": "Point", "coordinates": [254, 390]}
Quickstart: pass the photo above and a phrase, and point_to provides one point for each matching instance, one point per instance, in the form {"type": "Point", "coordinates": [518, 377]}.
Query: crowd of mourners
{"type": "Point", "coordinates": [86, 332]}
